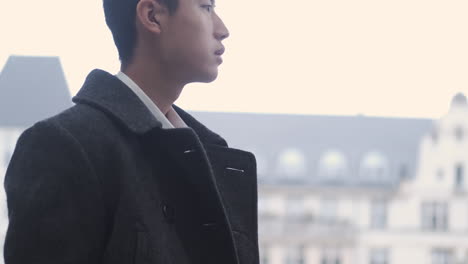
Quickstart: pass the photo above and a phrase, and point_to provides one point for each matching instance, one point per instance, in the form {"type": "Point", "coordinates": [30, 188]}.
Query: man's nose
{"type": "Point", "coordinates": [221, 31]}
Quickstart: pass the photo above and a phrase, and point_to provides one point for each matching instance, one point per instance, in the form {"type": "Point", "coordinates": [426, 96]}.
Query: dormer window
{"type": "Point", "coordinates": [292, 163]}
{"type": "Point", "coordinates": [374, 166]}
{"type": "Point", "coordinates": [333, 164]}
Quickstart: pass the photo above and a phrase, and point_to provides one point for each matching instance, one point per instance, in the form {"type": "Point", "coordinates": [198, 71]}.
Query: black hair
{"type": "Point", "coordinates": [120, 18]}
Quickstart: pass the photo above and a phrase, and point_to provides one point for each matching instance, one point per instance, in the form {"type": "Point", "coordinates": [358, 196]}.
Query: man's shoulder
{"type": "Point", "coordinates": [82, 119]}
{"type": "Point", "coordinates": [84, 124]}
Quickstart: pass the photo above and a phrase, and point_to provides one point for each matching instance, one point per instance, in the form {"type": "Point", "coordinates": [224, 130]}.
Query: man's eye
{"type": "Point", "coordinates": [208, 8]}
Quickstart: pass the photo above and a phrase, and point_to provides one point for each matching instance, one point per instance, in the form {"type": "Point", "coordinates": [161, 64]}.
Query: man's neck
{"type": "Point", "coordinates": [154, 84]}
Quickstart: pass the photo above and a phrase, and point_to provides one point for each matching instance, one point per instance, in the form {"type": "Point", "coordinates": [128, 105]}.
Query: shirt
{"type": "Point", "coordinates": [171, 120]}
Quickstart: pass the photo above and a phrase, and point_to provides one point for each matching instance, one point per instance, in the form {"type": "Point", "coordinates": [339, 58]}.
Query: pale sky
{"type": "Point", "coordinates": [403, 58]}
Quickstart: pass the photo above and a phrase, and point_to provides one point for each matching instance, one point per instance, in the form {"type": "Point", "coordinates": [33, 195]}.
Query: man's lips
{"type": "Point", "coordinates": [220, 51]}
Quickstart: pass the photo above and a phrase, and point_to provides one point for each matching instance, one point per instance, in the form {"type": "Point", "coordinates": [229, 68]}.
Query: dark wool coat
{"type": "Point", "coordinates": [102, 182]}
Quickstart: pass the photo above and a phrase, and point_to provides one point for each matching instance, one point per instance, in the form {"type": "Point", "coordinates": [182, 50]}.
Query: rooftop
{"type": "Point", "coordinates": [31, 89]}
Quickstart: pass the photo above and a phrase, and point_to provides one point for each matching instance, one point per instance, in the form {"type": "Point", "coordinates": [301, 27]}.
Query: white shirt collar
{"type": "Point", "coordinates": [172, 120]}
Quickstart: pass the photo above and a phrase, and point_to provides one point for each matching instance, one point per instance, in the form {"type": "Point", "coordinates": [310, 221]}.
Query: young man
{"type": "Point", "coordinates": [124, 176]}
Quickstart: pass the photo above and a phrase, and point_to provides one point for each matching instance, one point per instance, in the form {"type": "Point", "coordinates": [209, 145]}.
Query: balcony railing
{"type": "Point", "coordinates": [306, 227]}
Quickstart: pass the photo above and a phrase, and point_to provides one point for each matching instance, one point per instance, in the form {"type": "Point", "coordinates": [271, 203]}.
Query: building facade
{"type": "Point", "coordinates": [358, 190]}
{"type": "Point", "coordinates": [419, 219]}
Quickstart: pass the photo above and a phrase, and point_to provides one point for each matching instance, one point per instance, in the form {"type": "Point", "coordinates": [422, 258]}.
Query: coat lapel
{"type": "Point", "coordinates": [107, 93]}
{"type": "Point", "coordinates": [206, 135]}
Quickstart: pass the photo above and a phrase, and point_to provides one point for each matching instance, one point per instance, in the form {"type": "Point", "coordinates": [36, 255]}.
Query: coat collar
{"type": "Point", "coordinates": [107, 93]}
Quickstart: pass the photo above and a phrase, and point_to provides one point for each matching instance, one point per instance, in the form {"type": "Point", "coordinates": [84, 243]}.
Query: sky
{"type": "Point", "coordinates": [398, 58]}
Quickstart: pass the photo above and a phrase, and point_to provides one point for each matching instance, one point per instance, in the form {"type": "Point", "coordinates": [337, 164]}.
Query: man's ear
{"type": "Point", "coordinates": [151, 14]}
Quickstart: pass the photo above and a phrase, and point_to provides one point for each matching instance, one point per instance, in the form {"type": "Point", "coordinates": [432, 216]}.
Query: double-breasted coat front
{"type": "Point", "coordinates": [102, 182]}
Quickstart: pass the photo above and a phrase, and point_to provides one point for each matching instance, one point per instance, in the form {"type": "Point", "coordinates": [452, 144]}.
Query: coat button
{"type": "Point", "coordinates": [210, 226]}
{"type": "Point", "coordinates": [168, 213]}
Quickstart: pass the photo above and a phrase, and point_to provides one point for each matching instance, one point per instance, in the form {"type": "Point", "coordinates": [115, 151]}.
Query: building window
{"type": "Point", "coordinates": [379, 256]}
{"type": "Point", "coordinates": [295, 255]}
{"type": "Point", "coordinates": [403, 172]}
{"type": "Point", "coordinates": [292, 164]}
{"type": "Point", "coordinates": [295, 207]}
{"type": "Point", "coordinates": [434, 216]}
{"type": "Point", "coordinates": [440, 174]}
{"type": "Point", "coordinates": [459, 176]}
{"type": "Point", "coordinates": [374, 166]}
{"type": "Point", "coordinates": [267, 207]}
{"type": "Point", "coordinates": [441, 256]}
{"type": "Point", "coordinates": [329, 210]}
{"type": "Point", "coordinates": [378, 214]}
{"type": "Point", "coordinates": [332, 165]}
{"type": "Point", "coordinates": [331, 256]}
{"type": "Point", "coordinates": [264, 255]}
{"type": "Point", "coordinates": [435, 135]}
{"type": "Point", "coordinates": [459, 133]}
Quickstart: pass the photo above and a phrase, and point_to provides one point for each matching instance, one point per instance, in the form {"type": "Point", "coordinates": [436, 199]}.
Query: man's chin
{"type": "Point", "coordinates": [207, 77]}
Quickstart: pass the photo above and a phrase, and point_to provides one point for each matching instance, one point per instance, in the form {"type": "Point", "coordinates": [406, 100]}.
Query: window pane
{"type": "Point", "coordinates": [331, 256]}
{"type": "Point", "coordinates": [459, 176]}
{"type": "Point", "coordinates": [329, 210]}
{"type": "Point", "coordinates": [295, 255]}
{"type": "Point", "coordinates": [295, 207]}
{"type": "Point", "coordinates": [379, 256]}
{"type": "Point", "coordinates": [264, 257]}
{"type": "Point", "coordinates": [434, 216]}
{"type": "Point", "coordinates": [266, 206]}
{"type": "Point", "coordinates": [378, 214]}
{"type": "Point", "coordinates": [441, 256]}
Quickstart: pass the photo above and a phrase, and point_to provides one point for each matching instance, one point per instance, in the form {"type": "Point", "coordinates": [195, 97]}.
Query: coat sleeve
{"type": "Point", "coordinates": [55, 208]}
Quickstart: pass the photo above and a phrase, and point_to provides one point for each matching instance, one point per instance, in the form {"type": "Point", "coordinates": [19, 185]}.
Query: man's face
{"type": "Point", "coordinates": [191, 42]}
